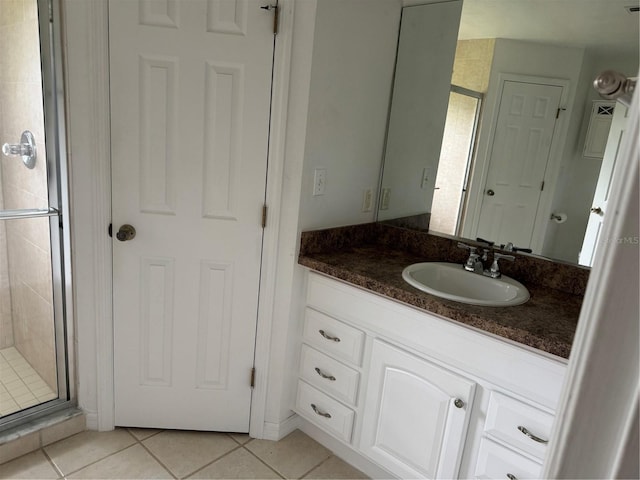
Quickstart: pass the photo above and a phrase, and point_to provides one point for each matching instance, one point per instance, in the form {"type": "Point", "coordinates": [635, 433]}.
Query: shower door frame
{"type": "Point", "coordinates": [49, 27]}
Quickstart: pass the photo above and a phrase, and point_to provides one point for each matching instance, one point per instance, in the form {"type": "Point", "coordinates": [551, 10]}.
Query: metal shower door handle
{"type": "Point", "coordinates": [26, 149]}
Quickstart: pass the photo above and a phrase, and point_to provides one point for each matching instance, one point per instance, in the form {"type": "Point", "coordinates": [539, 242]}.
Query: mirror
{"type": "Point", "coordinates": [509, 147]}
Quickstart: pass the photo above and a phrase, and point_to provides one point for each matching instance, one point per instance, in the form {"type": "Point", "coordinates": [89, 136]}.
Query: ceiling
{"type": "Point", "coordinates": [602, 26]}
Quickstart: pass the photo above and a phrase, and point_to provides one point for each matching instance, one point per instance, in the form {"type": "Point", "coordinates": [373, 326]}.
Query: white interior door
{"type": "Point", "coordinates": [190, 97]}
{"type": "Point", "coordinates": [518, 162]}
{"type": "Point", "coordinates": [603, 186]}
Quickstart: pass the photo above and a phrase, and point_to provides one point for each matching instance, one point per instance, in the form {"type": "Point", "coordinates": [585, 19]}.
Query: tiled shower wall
{"type": "Point", "coordinates": [28, 254]}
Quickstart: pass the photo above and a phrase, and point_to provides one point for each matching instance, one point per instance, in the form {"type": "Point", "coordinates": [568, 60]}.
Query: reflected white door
{"type": "Point", "coordinates": [603, 186]}
{"type": "Point", "coordinates": [518, 161]}
{"type": "Point", "coordinates": [190, 96]}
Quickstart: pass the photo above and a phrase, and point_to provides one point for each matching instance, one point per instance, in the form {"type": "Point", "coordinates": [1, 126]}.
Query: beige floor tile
{"type": "Point", "coordinates": [142, 433]}
{"type": "Point", "coordinates": [80, 450]}
{"type": "Point", "coordinates": [335, 468]}
{"type": "Point", "coordinates": [237, 464]}
{"type": "Point", "coordinates": [241, 438]}
{"type": "Point", "coordinates": [32, 465]}
{"type": "Point", "coordinates": [132, 463]}
{"type": "Point", "coordinates": [293, 456]}
{"type": "Point", "coordinates": [185, 452]}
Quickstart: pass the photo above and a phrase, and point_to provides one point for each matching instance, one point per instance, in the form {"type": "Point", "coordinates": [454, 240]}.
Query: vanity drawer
{"type": "Point", "coordinates": [498, 462]}
{"type": "Point", "coordinates": [329, 375]}
{"type": "Point", "coordinates": [332, 336]}
{"type": "Point", "coordinates": [518, 424]}
{"type": "Point", "coordinates": [324, 411]}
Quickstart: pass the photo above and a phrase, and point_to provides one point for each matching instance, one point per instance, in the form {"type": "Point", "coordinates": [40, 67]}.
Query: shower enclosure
{"type": "Point", "coordinates": [456, 158]}
{"type": "Point", "coordinates": [33, 347]}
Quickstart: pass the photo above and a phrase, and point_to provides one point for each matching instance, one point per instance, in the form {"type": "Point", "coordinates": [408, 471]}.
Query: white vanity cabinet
{"type": "Point", "coordinates": [416, 414]}
{"type": "Point", "coordinates": [420, 396]}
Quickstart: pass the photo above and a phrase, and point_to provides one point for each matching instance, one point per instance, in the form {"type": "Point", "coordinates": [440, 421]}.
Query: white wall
{"type": "Point", "coordinates": [351, 79]}
{"type": "Point", "coordinates": [579, 174]}
{"type": "Point", "coordinates": [334, 122]}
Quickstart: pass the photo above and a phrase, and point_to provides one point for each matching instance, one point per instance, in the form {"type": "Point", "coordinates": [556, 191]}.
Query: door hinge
{"type": "Point", "coordinates": [264, 216]}
{"type": "Point", "coordinates": [558, 111]}
{"type": "Point", "coordinates": [253, 377]}
{"type": "Point", "coordinates": [276, 16]}
{"type": "Point", "coordinates": [110, 230]}
{"type": "Point", "coordinates": [542, 186]}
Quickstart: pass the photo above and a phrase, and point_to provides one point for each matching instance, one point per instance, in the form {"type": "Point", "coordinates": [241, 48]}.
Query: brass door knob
{"type": "Point", "coordinates": [126, 232]}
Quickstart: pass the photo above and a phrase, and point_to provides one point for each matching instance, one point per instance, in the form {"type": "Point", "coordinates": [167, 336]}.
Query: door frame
{"type": "Point", "coordinates": [90, 163]}
{"type": "Point", "coordinates": [485, 147]}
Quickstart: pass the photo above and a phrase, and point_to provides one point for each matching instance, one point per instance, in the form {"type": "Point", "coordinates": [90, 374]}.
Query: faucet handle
{"type": "Point", "coordinates": [487, 243]}
{"type": "Point", "coordinates": [494, 271]}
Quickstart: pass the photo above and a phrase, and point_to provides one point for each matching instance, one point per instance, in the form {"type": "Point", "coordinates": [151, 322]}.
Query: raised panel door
{"type": "Point", "coordinates": [416, 414]}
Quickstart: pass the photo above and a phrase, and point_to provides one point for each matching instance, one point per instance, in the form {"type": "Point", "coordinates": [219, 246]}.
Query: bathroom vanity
{"type": "Point", "coordinates": [424, 387]}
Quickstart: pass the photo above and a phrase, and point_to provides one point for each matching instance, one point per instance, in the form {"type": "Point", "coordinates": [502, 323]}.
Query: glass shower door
{"type": "Point", "coordinates": [32, 333]}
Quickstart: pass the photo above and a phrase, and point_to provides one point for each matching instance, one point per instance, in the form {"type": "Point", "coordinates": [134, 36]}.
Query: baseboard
{"type": "Point", "coordinates": [343, 451]}
{"type": "Point", "coordinates": [92, 420]}
{"type": "Point", "coordinates": [277, 431]}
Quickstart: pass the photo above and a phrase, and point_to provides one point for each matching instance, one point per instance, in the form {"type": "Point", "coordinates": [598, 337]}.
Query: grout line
{"type": "Point", "coordinates": [321, 462]}
{"type": "Point", "coordinates": [153, 455]}
{"type": "Point", "coordinates": [99, 460]}
{"type": "Point", "coordinates": [52, 463]}
{"type": "Point", "coordinates": [238, 447]}
{"type": "Point", "coordinates": [265, 463]}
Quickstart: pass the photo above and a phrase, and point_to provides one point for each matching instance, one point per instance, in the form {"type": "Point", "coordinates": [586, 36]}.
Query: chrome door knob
{"type": "Point", "coordinates": [491, 193]}
{"type": "Point", "coordinates": [597, 210]}
{"type": "Point", "coordinates": [126, 232]}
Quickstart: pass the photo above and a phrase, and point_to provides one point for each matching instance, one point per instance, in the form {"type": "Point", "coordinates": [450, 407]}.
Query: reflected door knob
{"type": "Point", "coordinates": [491, 193]}
{"type": "Point", "coordinates": [126, 232]}
{"type": "Point", "coordinates": [597, 210]}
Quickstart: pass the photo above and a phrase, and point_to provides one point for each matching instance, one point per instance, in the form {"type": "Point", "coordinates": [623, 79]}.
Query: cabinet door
{"type": "Point", "coordinates": [416, 415]}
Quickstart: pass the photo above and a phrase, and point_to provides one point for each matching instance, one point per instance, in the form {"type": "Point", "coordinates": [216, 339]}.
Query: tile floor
{"type": "Point", "coordinates": [157, 454]}
{"type": "Point", "coordinates": [20, 385]}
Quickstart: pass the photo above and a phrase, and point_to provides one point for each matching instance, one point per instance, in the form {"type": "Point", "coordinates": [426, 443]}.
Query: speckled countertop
{"type": "Point", "coordinates": [373, 256]}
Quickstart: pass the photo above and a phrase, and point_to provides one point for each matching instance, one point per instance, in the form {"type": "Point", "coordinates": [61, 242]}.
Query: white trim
{"type": "Point", "coordinates": [89, 154]}
{"type": "Point", "coordinates": [485, 147]}
{"type": "Point", "coordinates": [277, 431]}
{"type": "Point", "coordinates": [270, 245]}
{"type": "Point", "coordinates": [601, 389]}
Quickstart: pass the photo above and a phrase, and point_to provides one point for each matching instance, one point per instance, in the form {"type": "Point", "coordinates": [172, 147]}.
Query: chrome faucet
{"type": "Point", "coordinates": [475, 262]}
{"type": "Point", "coordinates": [494, 271]}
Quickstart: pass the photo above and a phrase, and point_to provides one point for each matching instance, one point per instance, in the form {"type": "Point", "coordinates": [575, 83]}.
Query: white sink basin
{"type": "Point", "coordinates": [451, 281]}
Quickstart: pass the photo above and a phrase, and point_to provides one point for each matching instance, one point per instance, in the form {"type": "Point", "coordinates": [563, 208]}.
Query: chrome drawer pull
{"type": "Point", "coordinates": [319, 412]}
{"type": "Point", "coordinates": [511, 476]}
{"type": "Point", "coordinates": [328, 337]}
{"type": "Point", "coordinates": [532, 436]}
{"type": "Point", "coordinates": [324, 375]}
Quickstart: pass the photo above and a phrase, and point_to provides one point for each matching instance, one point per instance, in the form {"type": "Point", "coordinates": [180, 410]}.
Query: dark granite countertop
{"type": "Point", "coordinates": [547, 321]}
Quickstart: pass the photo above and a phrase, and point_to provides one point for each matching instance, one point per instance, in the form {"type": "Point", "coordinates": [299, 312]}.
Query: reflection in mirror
{"type": "Point", "coordinates": [522, 167]}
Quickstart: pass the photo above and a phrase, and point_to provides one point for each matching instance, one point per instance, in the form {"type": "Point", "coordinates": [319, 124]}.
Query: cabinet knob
{"type": "Point", "coordinates": [511, 476]}
{"type": "Point", "coordinates": [458, 403]}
